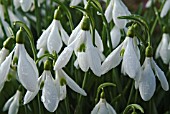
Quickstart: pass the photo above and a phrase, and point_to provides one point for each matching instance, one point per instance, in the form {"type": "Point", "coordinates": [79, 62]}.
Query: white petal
{"type": "Point", "coordinates": [4, 69]}
{"type": "Point", "coordinates": [72, 83]}
{"type": "Point", "coordinates": [76, 64]}
{"type": "Point", "coordinates": [6, 27]}
{"type": "Point", "coordinates": [112, 60]}
{"type": "Point", "coordinates": [75, 2]}
{"type": "Point", "coordinates": [63, 92]}
{"type": "Point", "coordinates": [94, 60]}
{"type": "Point", "coordinates": [74, 33]}
{"type": "Point", "coordinates": [149, 3]}
{"type": "Point", "coordinates": [119, 10]}
{"type": "Point", "coordinates": [26, 5]}
{"type": "Point", "coordinates": [110, 109]}
{"type": "Point", "coordinates": [98, 41]}
{"type": "Point", "coordinates": [42, 41]}
{"type": "Point", "coordinates": [164, 51]}
{"type": "Point", "coordinates": [13, 109]}
{"type": "Point", "coordinates": [130, 60]}
{"type": "Point", "coordinates": [83, 61]}
{"type": "Point", "coordinates": [16, 4]}
{"type": "Point", "coordinates": [108, 12]}
{"type": "Point", "coordinates": [161, 76]}
{"type": "Point", "coordinates": [165, 8]}
{"type": "Point", "coordinates": [115, 36]}
{"type": "Point", "coordinates": [41, 53]}
{"type": "Point", "coordinates": [64, 35]}
{"type": "Point", "coordinates": [157, 54]}
{"type": "Point", "coordinates": [8, 103]}
{"type": "Point", "coordinates": [27, 70]}
{"type": "Point", "coordinates": [63, 58]}
{"type": "Point", "coordinates": [54, 42]}
{"type": "Point", "coordinates": [3, 54]}
{"type": "Point", "coordinates": [147, 83]}
{"type": "Point", "coordinates": [50, 96]}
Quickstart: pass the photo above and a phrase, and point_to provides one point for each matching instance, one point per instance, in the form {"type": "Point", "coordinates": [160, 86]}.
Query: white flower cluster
{"type": "Point", "coordinates": [89, 55]}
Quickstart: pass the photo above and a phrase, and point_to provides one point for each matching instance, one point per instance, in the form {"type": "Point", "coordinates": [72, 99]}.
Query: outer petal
{"type": "Point", "coordinates": [98, 41]}
{"type": "Point", "coordinates": [147, 83]}
{"type": "Point", "coordinates": [130, 60]}
{"type": "Point", "coordinates": [149, 3]}
{"type": "Point", "coordinates": [164, 51]}
{"type": "Point", "coordinates": [50, 96]}
{"type": "Point", "coordinates": [63, 92]}
{"type": "Point", "coordinates": [71, 83]}
{"type": "Point", "coordinates": [157, 54]}
{"type": "Point", "coordinates": [108, 12]}
{"type": "Point", "coordinates": [63, 58]}
{"type": "Point", "coordinates": [54, 42]}
{"type": "Point", "coordinates": [3, 54]}
{"type": "Point", "coordinates": [112, 60]}
{"type": "Point", "coordinates": [110, 109]}
{"type": "Point", "coordinates": [13, 109]}
{"type": "Point", "coordinates": [165, 8]}
{"type": "Point", "coordinates": [161, 76]}
{"type": "Point", "coordinates": [119, 10]}
{"type": "Point", "coordinates": [42, 41]}
{"type": "Point", "coordinates": [83, 61]}
{"type": "Point", "coordinates": [8, 103]}
{"type": "Point", "coordinates": [64, 35]}
{"type": "Point", "coordinates": [75, 2]}
{"type": "Point", "coordinates": [115, 36]}
{"type": "Point", "coordinates": [16, 4]}
{"type": "Point", "coordinates": [27, 70]}
{"type": "Point", "coordinates": [26, 5]}
{"type": "Point", "coordinates": [4, 69]}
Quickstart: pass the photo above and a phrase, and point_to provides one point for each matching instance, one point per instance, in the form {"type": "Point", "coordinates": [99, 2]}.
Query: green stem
{"type": "Point", "coordinates": [30, 37]}
{"type": "Point", "coordinates": [78, 108]}
{"type": "Point", "coordinates": [39, 105]}
{"type": "Point", "coordinates": [38, 17]}
{"type": "Point", "coordinates": [131, 94]}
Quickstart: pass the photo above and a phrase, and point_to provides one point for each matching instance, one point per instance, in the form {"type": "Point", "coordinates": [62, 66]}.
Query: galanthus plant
{"type": "Point", "coordinates": [84, 56]}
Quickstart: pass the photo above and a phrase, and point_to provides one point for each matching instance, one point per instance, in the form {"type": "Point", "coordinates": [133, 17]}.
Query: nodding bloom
{"type": "Point", "coordinates": [54, 36]}
{"type": "Point", "coordinates": [26, 67]}
{"type": "Point", "coordinates": [102, 107]}
{"type": "Point", "coordinates": [163, 50]}
{"type": "Point", "coordinates": [165, 8]}
{"type": "Point", "coordinates": [50, 90]}
{"type": "Point", "coordinates": [115, 9]}
{"type": "Point", "coordinates": [149, 3]}
{"type": "Point", "coordinates": [129, 53]}
{"type": "Point", "coordinates": [147, 82]}
{"type": "Point", "coordinates": [4, 23]}
{"type": "Point", "coordinates": [26, 5]}
{"type": "Point", "coordinates": [76, 2]}
{"type": "Point", "coordinates": [88, 56]}
{"type": "Point", "coordinates": [63, 79]}
{"type": "Point", "coordinates": [12, 105]}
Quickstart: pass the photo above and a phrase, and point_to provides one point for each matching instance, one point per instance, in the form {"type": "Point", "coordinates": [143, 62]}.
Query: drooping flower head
{"type": "Point", "coordinates": [88, 56]}
{"type": "Point", "coordinates": [147, 82]}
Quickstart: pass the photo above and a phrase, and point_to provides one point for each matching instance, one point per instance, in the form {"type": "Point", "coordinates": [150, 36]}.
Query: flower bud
{"type": "Point", "coordinates": [8, 43]}
{"type": "Point", "coordinates": [19, 36]}
{"type": "Point", "coordinates": [149, 51]}
{"type": "Point", "coordinates": [85, 25]}
{"type": "Point", "coordinates": [47, 65]}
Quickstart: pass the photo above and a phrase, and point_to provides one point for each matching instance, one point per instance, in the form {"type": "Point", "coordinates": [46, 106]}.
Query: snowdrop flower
{"type": "Point", "coordinates": [88, 56]}
{"type": "Point", "coordinates": [4, 23]}
{"type": "Point", "coordinates": [165, 8]}
{"type": "Point", "coordinates": [115, 36]}
{"type": "Point", "coordinates": [147, 82]}
{"type": "Point", "coordinates": [162, 50]}
{"type": "Point", "coordinates": [26, 5]}
{"type": "Point", "coordinates": [12, 105]}
{"type": "Point", "coordinates": [102, 107]}
{"type": "Point", "coordinates": [130, 52]}
{"type": "Point", "coordinates": [115, 9]}
{"type": "Point", "coordinates": [26, 68]}
{"type": "Point", "coordinates": [63, 79]}
{"type": "Point", "coordinates": [50, 90]}
{"type": "Point", "coordinates": [149, 3]}
{"type": "Point", "coordinates": [76, 2]}
{"type": "Point", "coordinates": [53, 36]}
